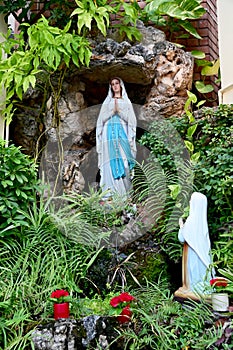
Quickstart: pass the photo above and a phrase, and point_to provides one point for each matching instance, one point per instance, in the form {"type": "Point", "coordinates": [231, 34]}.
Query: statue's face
{"type": "Point", "coordinates": [116, 87]}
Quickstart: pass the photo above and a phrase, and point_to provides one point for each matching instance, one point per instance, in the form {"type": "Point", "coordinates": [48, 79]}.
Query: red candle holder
{"type": "Point", "coordinates": [61, 310]}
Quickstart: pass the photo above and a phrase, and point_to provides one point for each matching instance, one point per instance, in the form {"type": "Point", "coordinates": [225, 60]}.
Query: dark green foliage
{"type": "Point", "coordinates": [166, 144]}
{"type": "Point", "coordinates": [18, 184]}
{"type": "Point", "coordinates": [212, 172]}
{"type": "Point", "coordinates": [162, 323]}
{"type": "Point", "coordinates": [105, 215]}
{"type": "Point", "coordinates": [151, 267]}
{"type": "Point", "coordinates": [57, 10]}
{"type": "Point", "coordinates": [34, 262]}
{"type": "Point", "coordinates": [174, 14]}
{"type": "Point", "coordinates": [161, 208]}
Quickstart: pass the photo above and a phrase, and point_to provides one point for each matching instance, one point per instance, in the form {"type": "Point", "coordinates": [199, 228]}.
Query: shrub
{"type": "Point", "coordinates": [18, 184]}
{"type": "Point", "coordinates": [213, 174]}
{"type": "Point", "coordinates": [212, 139]}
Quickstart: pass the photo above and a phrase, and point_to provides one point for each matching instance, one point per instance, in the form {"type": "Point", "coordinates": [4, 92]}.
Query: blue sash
{"type": "Point", "coordinates": [117, 137]}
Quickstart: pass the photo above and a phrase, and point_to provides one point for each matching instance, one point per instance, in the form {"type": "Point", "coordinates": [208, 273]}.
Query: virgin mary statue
{"type": "Point", "coordinates": [196, 262]}
{"type": "Point", "coordinates": [116, 140]}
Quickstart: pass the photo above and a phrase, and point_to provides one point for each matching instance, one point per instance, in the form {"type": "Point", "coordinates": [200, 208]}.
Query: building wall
{"type": "Point", "coordinates": [225, 21]}
{"type": "Point", "coordinates": [3, 29]}
{"type": "Point", "coordinates": [207, 27]}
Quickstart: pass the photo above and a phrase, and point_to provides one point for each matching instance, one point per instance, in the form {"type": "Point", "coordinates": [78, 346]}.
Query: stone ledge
{"type": "Point", "coordinates": [70, 334]}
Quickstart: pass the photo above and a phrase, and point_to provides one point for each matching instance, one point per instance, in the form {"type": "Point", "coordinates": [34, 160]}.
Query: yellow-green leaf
{"type": "Point", "coordinates": [211, 70]}
{"type": "Point", "coordinates": [204, 89]}
{"type": "Point", "coordinates": [195, 157]}
{"type": "Point", "coordinates": [191, 130]}
{"type": "Point", "coordinates": [25, 84]}
{"type": "Point", "coordinates": [198, 54]}
{"type": "Point", "coordinates": [189, 145]}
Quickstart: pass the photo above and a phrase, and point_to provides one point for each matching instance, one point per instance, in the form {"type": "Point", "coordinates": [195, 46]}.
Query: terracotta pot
{"type": "Point", "coordinates": [125, 315]}
{"type": "Point", "coordinates": [220, 301]}
{"type": "Point", "coordinates": [61, 310]}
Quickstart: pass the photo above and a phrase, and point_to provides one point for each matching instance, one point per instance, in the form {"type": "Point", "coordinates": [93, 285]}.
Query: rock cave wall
{"type": "Point", "coordinates": [156, 74]}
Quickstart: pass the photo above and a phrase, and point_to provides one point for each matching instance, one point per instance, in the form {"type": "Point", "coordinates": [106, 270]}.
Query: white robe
{"type": "Point", "coordinates": [196, 234]}
{"type": "Point", "coordinates": [128, 120]}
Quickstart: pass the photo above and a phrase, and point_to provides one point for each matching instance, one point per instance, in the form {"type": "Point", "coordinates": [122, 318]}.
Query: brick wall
{"type": "Point", "coordinates": [208, 30]}
{"type": "Point", "coordinates": [207, 27]}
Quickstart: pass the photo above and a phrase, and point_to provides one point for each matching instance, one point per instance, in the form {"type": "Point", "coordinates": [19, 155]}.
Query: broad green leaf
{"type": "Point", "coordinates": [189, 145]}
{"type": "Point", "coordinates": [195, 157]}
{"type": "Point", "coordinates": [62, 49]}
{"type": "Point", "coordinates": [80, 3]}
{"type": "Point", "coordinates": [12, 177]}
{"type": "Point", "coordinates": [49, 38]}
{"type": "Point", "coordinates": [67, 27]}
{"type": "Point", "coordinates": [8, 182]}
{"type": "Point", "coordinates": [10, 93]}
{"type": "Point", "coordinates": [18, 79]}
{"type": "Point", "coordinates": [202, 63]}
{"type": "Point", "coordinates": [51, 58]}
{"type": "Point", "coordinates": [66, 59]}
{"type": "Point", "coordinates": [192, 96]}
{"type": "Point", "coordinates": [204, 89]}
{"type": "Point", "coordinates": [191, 130]}
{"type": "Point", "coordinates": [57, 58]}
{"type": "Point", "coordinates": [200, 103]}
{"type": "Point", "coordinates": [190, 29]}
{"type": "Point", "coordinates": [84, 20]}
{"type": "Point", "coordinates": [45, 54]}
{"type": "Point", "coordinates": [67, 45]}
{"type": "Point", "coordinates": [77, 12]}
{"type": "Point", "coordinates": [106, 17]}
{"type": "Point", "coordinates": [100, 24]}
{"type": "Point", "coordinates": [19, 92]}
{"type": "Point", "coordinates": [36, 61]}
{"type": "Point", "coordinates": [198, 54]}
{"type": "Point", "coordinates": [130, 32]}
{"type": "Point", "coordinates": [25, 84]}
{"type": "Point", "coordinates": [190, 116]}
{"type": "Point", "coordinates": [129, 10]}
{"type": "Point", "coordinates": [24, 195]}
{"type": "Point", "coordinates": [211, 70]}
{"type": "Point", "coordinates": [19, 178]}
{"type": "Point", "coordinates": [4, 184]}
{"type": "Point", "coordinates": [153, 6]}
{"type": "Point", "coordinates": [32, 80]}
{"type": "Point", "coordinates": [175, 190]}
{"type": "Point", "coordinates": [185, 9]}
{"type": "Point", "coordinates": [75, 60]}
{"type": "Point", "coordinates": [87, 57]}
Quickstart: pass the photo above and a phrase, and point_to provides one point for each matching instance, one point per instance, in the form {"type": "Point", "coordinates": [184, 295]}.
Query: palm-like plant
{"type": "Point", "coordinates": [34, 262]}
{"type": "Point", "coordinates": [163, 197]}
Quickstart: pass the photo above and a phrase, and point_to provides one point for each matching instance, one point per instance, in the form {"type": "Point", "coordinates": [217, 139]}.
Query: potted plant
{"type": "Point", "coordinates": [121, 307]}
{"type": "Point", "coordinates": [60, 299]}
{"type": "Point", "coordinates": [219, 297]}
